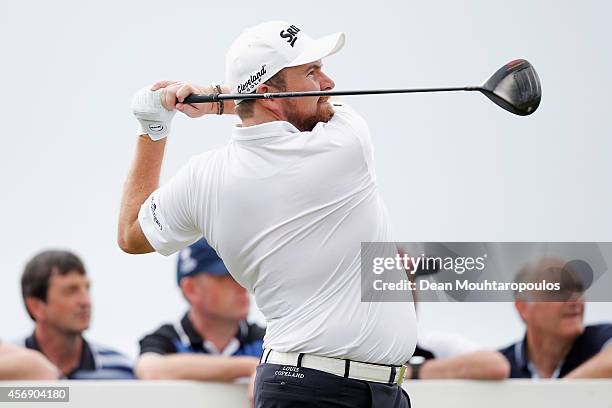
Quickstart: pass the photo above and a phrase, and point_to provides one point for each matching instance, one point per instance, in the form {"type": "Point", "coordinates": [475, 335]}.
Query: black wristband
{"type": "Point", "coordinates": [415, 371]}
{"type": "Point", "coordinates": [415, 364]}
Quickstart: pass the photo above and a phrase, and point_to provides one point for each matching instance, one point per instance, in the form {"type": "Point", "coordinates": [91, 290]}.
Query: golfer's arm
{"type": "Point", "coordinates": [479, 365]}
{"type": "Point", "coordinates": [190, 366]}
{"type": "Point", "coordinates": [142, 180]}
{"type": "Point", "coordinates": [599, 366]}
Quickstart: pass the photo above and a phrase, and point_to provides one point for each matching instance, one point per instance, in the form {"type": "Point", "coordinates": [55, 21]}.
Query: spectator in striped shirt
{"type": "Point", "coordinates": [55, 290]}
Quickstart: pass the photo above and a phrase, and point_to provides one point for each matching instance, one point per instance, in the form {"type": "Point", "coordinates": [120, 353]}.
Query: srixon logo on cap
{"type": "Point", "coordinates": [290, 34]}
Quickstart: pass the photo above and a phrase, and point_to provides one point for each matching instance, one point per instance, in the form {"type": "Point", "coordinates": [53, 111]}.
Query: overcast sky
{"type": "Point", "coordinates": [451, 167]}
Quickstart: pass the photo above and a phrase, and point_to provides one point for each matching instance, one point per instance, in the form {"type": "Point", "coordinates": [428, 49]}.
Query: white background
{"type": "Point", "coordinates": [452, 167]}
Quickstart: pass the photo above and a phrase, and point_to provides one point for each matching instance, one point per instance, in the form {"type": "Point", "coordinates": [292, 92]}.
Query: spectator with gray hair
{"type": "Point", "coordinates": [557, 343]}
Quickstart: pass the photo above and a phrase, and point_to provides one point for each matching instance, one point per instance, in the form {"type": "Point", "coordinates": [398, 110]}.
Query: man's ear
{"type": "Point", "coordinates": [522, 308]}
{"type": "Point", "coordinates": [188, 288]}
{"type": "Point", "coordinates": [263, 88]}
{"type": "Point", "coordinates": [36, 307]}
{"type": "Point", "coordinates": [271, 105]}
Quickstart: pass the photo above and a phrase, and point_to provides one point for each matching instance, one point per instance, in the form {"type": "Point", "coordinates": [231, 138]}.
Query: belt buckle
{"type": "Point", "coordinates": [402, 374]}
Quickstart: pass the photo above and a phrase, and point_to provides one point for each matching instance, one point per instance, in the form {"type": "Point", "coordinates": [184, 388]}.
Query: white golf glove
{"type": "Point", "coordinates": [153, 118]}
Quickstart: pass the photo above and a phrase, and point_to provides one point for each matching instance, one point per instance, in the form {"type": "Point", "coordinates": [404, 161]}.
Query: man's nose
{"type": "Point", "coordinates": [240, 289]}
{"type": "Point", "coordinates": [575, 301]}
{"type": "Point", "coordinates": [327, 83]}
{"type": "Point", "coordinates": [85, 298]}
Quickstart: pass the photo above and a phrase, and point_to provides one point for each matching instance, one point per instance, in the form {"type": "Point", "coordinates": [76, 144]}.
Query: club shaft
{"type": "Point", "coordinates": [201, 98]}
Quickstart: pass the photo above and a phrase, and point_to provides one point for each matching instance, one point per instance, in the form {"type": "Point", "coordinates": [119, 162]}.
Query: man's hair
{"type": "Point", "coordinates": [245, 108]}
{"type": "Point", "coordinates": [38, 272]}
{"type": "Point", "coordinates": [553, 270]}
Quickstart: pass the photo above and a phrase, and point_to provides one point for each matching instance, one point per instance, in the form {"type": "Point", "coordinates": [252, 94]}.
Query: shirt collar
{"type": "Point", "coordinates": [535, 374]}
{"type": "Point", "coordinates": [188, 332]}
{"type": "Point", "coordinates": [520, 353]}
{"type": "Point", "coordinates": [87, 362]}
{"type": "Point", "coordinates": [522, 361]}
{"type": "Point", "coordinates": [263, 130]}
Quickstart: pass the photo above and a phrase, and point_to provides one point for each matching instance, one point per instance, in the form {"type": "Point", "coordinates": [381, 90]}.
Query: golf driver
{"type": "Point", "coordinates": [515, 87]}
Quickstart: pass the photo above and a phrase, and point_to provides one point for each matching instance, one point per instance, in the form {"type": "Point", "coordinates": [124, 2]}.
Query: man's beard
{"type": "Point", "coordinates": [324, 113]}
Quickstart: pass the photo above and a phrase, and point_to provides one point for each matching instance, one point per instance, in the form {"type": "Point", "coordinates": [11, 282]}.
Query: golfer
{"type": "Point", "coordinates": [286, 204]}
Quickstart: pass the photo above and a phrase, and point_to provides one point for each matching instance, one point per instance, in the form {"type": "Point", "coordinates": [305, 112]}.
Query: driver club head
{"type": "Point", "coordinates": [515, 87]}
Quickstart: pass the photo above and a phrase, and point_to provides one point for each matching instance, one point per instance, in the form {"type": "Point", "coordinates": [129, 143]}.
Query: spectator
{"type": "Point", "coordinates": [213, 340]}
{"type": "Point", "coordinates": [557, 344]}
{"type": "Point", "coordinates": [55, 290]}
{"type": "Point", "coordinates": [17, 363]}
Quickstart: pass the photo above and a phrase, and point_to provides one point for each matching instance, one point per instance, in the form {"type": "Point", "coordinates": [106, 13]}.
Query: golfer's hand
{"type": "Point", "coordinates": [174, 92]}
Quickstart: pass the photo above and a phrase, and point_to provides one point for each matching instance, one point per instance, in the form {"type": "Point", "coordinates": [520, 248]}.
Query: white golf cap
{"type": "Point", "coordinates": [262, 51]}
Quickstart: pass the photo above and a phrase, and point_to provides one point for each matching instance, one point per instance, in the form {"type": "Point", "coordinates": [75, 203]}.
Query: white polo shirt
{"type": "Point", "coordinates": [287, 212]}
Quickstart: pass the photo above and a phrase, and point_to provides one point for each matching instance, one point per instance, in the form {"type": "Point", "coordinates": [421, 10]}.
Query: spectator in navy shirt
{"type": "Point", "coordinates": [213, 340]}
{"type": "Point", "coordinates": [55, 290]}
{"type": "Point", "coordinates": [557, 344]}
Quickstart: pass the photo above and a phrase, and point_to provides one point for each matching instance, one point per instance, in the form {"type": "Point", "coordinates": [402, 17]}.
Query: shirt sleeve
{"type": "Point", "coordinates": [606, 336]}
{"type": "Point", "coordinates": [348, 118]}
{"type": "Point", "coordinates": [168, 216]}
{"type": "Point", "coordinates": [160, 342]}
{"type": "Point", "coordinates": [347, 121]}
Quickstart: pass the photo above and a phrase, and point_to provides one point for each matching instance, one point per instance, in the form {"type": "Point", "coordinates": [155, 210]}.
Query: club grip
{"type": "Point", "coordinates": [201, 98]}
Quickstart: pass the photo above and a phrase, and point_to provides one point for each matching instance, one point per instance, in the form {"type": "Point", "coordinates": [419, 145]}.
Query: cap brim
{"type": "Point", "coordinates": [318, 49]}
